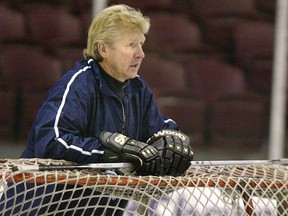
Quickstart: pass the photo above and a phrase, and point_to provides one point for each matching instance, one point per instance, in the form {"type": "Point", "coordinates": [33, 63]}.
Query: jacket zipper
{"type": "Point", "coordinates": [123, 118]}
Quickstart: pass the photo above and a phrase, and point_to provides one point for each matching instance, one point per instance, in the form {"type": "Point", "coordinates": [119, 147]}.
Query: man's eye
{"type": "Point", "coordinates": [132, 44]}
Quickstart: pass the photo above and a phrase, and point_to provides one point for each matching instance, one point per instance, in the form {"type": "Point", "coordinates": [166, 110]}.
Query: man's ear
{"type": "Point", "coordinates": [102, 49]}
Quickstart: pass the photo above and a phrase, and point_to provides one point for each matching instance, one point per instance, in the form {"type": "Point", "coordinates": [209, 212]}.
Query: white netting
{"type": "Point", "coordinates": [204, 190]}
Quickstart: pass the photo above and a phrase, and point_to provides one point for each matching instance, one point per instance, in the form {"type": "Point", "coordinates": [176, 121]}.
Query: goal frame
{"type": "Point", "coordinates": [99, 178]}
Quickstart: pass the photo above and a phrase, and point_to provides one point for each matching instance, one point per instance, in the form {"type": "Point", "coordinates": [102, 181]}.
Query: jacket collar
{"type": "Point", "coordinates": [132, 87]}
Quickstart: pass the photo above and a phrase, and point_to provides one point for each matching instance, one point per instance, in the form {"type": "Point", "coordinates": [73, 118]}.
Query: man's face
{"type": "Point", "coordinates": [123, 58]}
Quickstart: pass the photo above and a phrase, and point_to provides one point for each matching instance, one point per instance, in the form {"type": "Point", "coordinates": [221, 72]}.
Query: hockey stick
{"type": "Point", "coordinates": [107, 166]}
{"type": "Point", "coordinates": [283, 162]}
{"type": "Point", "coordinates": [40, 167]}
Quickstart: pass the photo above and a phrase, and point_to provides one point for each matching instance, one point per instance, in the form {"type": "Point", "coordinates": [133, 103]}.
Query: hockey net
{"type": "Point", "coordinates": [250, 189]}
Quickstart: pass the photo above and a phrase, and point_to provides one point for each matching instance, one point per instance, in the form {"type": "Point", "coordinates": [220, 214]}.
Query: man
{"type": "Point", "coordinates": [102, 111]}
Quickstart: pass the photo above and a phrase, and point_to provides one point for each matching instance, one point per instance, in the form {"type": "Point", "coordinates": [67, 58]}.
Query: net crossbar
{"type": "Point", "coordinates": [255, 189]}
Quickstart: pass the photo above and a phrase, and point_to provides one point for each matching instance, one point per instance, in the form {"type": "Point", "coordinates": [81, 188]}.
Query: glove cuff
{"type": "Point", "coordinates": [169, 132]}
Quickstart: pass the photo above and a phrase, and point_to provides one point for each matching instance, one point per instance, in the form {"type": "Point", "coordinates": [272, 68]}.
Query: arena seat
{"type": "Point", "coordinates": [253, 40]}
{"type": "Point", "coordinates": [201, 9]}
{"type": "Point", "coordinates": [239, 123]}
{"type": "Point", "coordinates": [268, 6]}
{"type": "Point", "coordinates": [12, 26]}
{"type": "Point", "coordinates": [218, 19]}
{"type": "Point", "coordinates": [30, 74]}
{"type": "Point", "coordinates": [7, 114]}
{"type": "Point", "coordinates": [68, 56]}
{"type": "Point", "coordinates": [65, 30]}
{"type": "Point", "coordinates": [259, 75]}
{"type": "Point", "coordinates": [22, 4]}
{"type": "Point", "coordinates": [188, 113]}
{"type": "Point", "coordinates": [147, 5]}
{"type": "Point", "coordinates": [212, 79]}
{"type": "Point", "coordinates": [175, 99]}
{"type": "Point", "coordinates": [166, 78]}
{"type": "Point", "coordinates": [230, 104]}
{"type": "Point", "coordinates": [81, 7]}
{"type": "Point", "coordinates": [185, 37]}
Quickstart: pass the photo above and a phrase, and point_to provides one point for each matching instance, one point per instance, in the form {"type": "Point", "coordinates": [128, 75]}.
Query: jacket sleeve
{"type": "Point", "coordinates": [61, 130]}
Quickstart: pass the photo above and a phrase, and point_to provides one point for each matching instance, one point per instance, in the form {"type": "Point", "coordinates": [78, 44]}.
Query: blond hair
{"type": "Point", "coordinates": [108, 24]}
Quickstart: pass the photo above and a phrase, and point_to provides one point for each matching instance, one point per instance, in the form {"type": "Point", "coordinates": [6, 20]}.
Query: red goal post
{"type": "Point", "coordinates": [242, 188]}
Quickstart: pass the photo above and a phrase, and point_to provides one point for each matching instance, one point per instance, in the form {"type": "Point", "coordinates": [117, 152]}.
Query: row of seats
{"type": "Point", "coordinates": [241, 32]}
{"type": "Point", "coordinates": [209, 99]}
{"type": "Point", "coordinates": [26, 75]}
{"type": "Point", "coordinates": [253, 43]}
{"type": "Point", "coordinates": [250, 41]}
{"type": "Point", "coordinates": [73, 6]}
{"type": "Point", "coordinates": [222, 6]}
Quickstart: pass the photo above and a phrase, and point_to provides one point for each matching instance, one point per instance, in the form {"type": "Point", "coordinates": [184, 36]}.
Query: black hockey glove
{"type": "Point", "coordinates": [145, 157]}
{"type": "Point", "coordinates": [110, 156]}
{"type": "Point", "coordinates": [174, 147]}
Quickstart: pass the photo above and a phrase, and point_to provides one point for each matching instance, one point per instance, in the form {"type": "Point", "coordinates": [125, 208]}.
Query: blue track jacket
{"type": "Point", "coordinates": [81, 105]}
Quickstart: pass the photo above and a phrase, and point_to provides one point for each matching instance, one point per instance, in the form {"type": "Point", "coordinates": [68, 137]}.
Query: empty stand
{"type": "Point", "coordinates": [206, 97]}
{"type": "Point", "coordinates": [68, 56]}
{"type": "Point", "coordinates": [201, 9]}
{"type": "Point", "coordinates": [164, 77]}
{"type": "Point", "coordinates": [168, 83]}
{"type": "Point", "coordinates": [188, 113]}
{"type": "Point", "coordinates": [20, 4]}
{"type": "Point", "coordinates": [212, 79]}
{"type": "Point", "coordinates": [253, 40]}
{"type": "Point", "coordinates": [268, 6]}
{"type": "Point", "coordinates": [254, 44]}
{"type": "Point", "coordinates": [259, 75]}
{"type": "Point", "coordinates": [239, 124]}
{"type": "Point", "coordinates": [7, 114]}
{"type": "Point", "coordinates": [51, 26]}
{"type": "Point", "coordinates": [218, 19]}
{"type": "Point", "coordinates": [185, 36]}
{"type": "Point", "coordinates": [12, 25]}
{"type": "Point", "coordinates": [29, 73]}
{"type": "Point", "coordinates": [147, 5]}
{"type": "Point", "coordinates": [230, 104]}
{"type": "Point", "coordinates": [81, 7]}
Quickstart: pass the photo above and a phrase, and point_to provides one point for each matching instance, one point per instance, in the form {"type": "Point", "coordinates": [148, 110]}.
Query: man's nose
{"type": "Point", "coordinates": [140, 53]}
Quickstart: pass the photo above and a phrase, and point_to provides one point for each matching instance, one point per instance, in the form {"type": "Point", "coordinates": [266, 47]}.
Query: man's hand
{"type": "Point", "coordinates": [145, 157]}
{"type": "Point", "coordinates": [174, 147]}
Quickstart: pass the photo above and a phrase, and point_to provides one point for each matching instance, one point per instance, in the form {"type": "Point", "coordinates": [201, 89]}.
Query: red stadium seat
{"type": "Point", "coordinates": [12, 26]}
{"type": "Point", "coordinates": [29, 73]}
{"type": "Point", "coordinates": [51, 26]}
{"type": "Point", "coordinates": [165, 77]}
{"type": "Point", "coordinates": [184, 37]}
{"type": "Point", "coordinates": [231, 106]}
{"type": "Point", "coordinates": [7, 114]}
{"type": "Point", "coordinates": [259, 75]}
{"type": "Point", "coordinates": [68, 56]}
{"type": "Point", "coordinates": [243, 8]}
{"type": "Point", "coordinates": [268, 6]}
{"type": "Point", "coordinates": [253, 40]}
{"type": "Point", "coordinates": [219, 18]}
{"type": "Point", "coordinates": [22, 64]}
{"type": "Point", "coordinates": [212, 79]}
{"type": "Point", "coordinates": [239, 123]}
{"type": "Point", "coordinates": [188, 113]}
{"type": "Point", "coordinates": [147, 5]}
{"type": "Point", "coordinates": [168, 83]}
